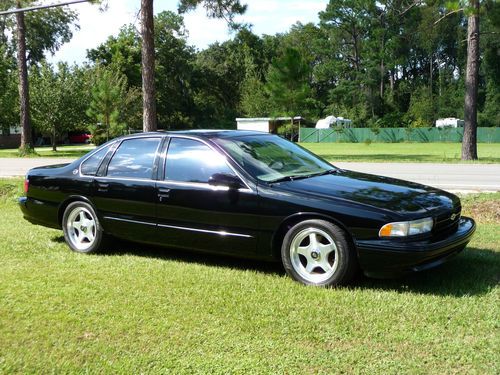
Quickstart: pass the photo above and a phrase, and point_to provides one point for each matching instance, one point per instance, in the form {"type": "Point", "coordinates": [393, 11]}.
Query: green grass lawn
{"type": "Point", "coordinates": [401, 152]}
{"type": "Point", "coordinates": [62, 151]}
{"type": "Point", "coordinates": [137, 309]}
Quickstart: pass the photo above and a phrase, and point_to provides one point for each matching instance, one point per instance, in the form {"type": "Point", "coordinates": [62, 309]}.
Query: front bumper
{"type": "Point", "coordinates": [386, 258]}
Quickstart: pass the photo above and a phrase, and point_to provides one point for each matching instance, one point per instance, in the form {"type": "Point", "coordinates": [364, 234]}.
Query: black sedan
{"type": "Point", "coordinates": [247, 194]}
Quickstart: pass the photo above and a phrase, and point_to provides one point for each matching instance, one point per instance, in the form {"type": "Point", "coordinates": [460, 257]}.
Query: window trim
{"type": "Point", "coordinates": [161, 160]}
{"type": "Point", "coordinates": [197, 184]}
{"type": "Point", "coordinates": [92, 153]}
{"type": "Point", "coordinates": [104, 172]}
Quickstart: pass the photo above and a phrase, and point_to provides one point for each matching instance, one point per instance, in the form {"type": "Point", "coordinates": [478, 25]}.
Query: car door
{"type": "Point", "coordinates": [192, 213]}
{"type": "Point", "coordinates": [124, 191]}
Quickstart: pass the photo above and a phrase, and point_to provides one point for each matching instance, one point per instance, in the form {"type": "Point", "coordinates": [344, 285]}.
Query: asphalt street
{"type": "Point", "coordinates": [452, 177]}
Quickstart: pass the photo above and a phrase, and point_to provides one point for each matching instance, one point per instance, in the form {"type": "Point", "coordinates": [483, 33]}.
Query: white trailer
{"type": "Point", "coordinates": [450, 122]}
{"type": "Point", "coordinates": [332, 121]}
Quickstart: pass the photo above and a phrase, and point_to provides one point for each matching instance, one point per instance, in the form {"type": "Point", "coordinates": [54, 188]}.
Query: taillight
{"type": "Point", "coordinates": [26, 185]}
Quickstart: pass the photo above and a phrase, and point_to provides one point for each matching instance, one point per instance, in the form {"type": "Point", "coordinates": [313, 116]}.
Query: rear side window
{"type": "Point", "coordinates": [91, 165]}
{"type": "Point", "coordinates": [193, 161]}
{"type": "Point", "coordinates": [134, 158]}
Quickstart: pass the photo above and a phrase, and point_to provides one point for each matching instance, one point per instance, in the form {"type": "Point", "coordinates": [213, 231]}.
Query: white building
{"type": "Point", "coordinates": [265, 124]}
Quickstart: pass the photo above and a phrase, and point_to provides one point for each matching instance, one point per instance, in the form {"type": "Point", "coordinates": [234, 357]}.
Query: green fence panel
{"type": "Point", "coordinates": [308, 135]}
{"type": "Point", "coordinates": [395, 135]}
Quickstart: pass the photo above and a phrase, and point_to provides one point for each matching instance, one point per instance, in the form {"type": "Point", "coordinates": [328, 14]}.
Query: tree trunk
{"type": "Point", "coordinates": [382, 76]}
{"type": "Point", "coordinates": [54, 138]}
{"type": "Point", "coordinates": [107, 118]}
{"type": "Point", "coordinates": [431, 75]}
{"type": "Point", "coordinates": [382, 71]}
{"type": "Point", "coordinates": [469, 142]}
{"type": "Point", "coordinates": [148, 66]}
{"type": "Point", "coordinates": [391, 82]}
{"type": "Point", "coordinates": [26, 136]}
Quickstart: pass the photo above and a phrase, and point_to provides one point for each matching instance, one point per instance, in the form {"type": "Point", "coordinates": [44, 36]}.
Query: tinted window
{"type": "Point", "coordinates": [134, 158]}
{"type": "Point", "coordinates": [90, 166]}
{"type": "Point", "coordinates": [193, 161]}
{"type": "Point", "coordinates": [271, 158]}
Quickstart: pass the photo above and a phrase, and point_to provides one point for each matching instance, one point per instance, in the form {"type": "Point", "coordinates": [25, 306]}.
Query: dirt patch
{"type": "Point", "coordinates": [485, 211]}
{"type": "Point", "coordinates": [10, 188]}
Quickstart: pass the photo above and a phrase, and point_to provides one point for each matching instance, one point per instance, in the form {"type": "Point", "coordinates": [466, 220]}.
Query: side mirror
{"type": "Point", "coordinates": [225, 179]}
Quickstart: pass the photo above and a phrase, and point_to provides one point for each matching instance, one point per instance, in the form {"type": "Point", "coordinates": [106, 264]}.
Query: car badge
{"type": "Point", "coordinates": [454, 216]}
{"type": "Point", "coordinates": [75, 171]}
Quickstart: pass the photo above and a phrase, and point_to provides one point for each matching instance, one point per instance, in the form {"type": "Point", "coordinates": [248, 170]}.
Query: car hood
{"type": "Point", "coordinates": [398, 196]}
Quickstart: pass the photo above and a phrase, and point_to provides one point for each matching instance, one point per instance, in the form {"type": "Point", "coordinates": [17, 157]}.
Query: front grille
{"type": "Point", "coordinates": [448, 221]}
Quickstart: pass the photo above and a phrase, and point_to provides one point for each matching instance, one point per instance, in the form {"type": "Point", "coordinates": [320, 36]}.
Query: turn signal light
{"type": "Point", "coordinates": [385, 231]}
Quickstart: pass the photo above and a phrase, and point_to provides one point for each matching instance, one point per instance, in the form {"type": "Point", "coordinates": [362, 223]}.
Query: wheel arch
{"type": "Point", "coordinates": [68, 201]}
{"type": "Point", "coordinates": [291, 220]}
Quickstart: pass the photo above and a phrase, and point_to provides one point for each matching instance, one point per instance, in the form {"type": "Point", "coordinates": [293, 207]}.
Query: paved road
{"type": "Point", "coordinates": [453, 177]}
{"type": "Point", "coordinates": [10, 167]}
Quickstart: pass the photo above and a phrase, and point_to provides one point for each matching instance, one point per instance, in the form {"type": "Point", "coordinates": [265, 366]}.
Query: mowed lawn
{"type": "Point", "coordinates": [138, 309]}
{"type": "Point", "coordinates": [402, 152]}
{"type": "Point", "coordinates": [62, 151]}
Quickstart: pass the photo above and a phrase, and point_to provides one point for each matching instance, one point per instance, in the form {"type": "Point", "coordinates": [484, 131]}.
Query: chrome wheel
{"type": "Point", "coordinates": [314, 255]}
{"type": "Point", "coordinates": [81, 228]}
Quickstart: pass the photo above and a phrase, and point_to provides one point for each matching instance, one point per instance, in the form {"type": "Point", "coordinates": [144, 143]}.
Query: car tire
{"type": "Point", "coordinates": [318, 253]}
{"type": "Point", "coordinates": [82, 231]}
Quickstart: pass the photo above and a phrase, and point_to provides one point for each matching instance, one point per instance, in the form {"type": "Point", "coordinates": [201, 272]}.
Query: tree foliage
{"type": "Point", "coordinates": [287, 84]}
{"type": "Point", "coordinates": [58, 100]}
{"type": "Point", "coordinates": [109, 97]}
{"type": "Point", "coordinates": [225, 9]}
{"type": "Point", "coordinates": [381, 64]}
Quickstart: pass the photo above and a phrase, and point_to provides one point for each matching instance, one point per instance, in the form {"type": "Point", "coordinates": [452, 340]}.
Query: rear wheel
{"type": "Point", "coordinates": [81, 228]}
{"type": "Point", "coordinates": [317, 252]}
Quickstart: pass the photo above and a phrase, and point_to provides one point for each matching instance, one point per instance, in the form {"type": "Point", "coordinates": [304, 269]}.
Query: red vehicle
{"type": "Point", "coordinates": [79, 137]}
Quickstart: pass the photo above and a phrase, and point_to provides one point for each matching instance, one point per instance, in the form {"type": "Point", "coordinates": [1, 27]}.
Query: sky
{"type": "Point", "coordinates": [266, 16]}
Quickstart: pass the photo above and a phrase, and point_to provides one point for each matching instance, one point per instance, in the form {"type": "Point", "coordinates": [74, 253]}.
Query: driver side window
{"type": "Point", "coordinates": [189, 160]}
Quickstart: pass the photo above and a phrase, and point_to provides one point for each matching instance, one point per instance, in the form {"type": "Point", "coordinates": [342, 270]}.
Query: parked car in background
{"type": "Point", "coordinates": [79, 137]}
{"type": "Point", "coordinates": [247, 194]}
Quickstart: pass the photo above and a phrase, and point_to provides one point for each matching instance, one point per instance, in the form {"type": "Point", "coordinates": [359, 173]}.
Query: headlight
{"type": "Point", "coordinates": [406, 228]}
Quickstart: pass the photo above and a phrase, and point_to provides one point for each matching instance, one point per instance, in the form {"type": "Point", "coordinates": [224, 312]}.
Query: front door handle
{"type": "Point", "coordinates": [163, 193]}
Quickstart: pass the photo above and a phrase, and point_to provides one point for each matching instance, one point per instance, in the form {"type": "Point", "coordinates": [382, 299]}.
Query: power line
{"type": "Point", "coordinates": [37, 7]}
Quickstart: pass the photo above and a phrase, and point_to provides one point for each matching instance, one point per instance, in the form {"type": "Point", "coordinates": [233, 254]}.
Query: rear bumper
{"type": "Point", "coordinates": [39, 213]}
{"type": "Point", "coordinates": [386, 258]}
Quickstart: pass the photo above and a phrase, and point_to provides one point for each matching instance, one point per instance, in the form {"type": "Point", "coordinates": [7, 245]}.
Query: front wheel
{"type": "Point", "coordinates": [317, 252]}
{"type": "Point", "coordinates": [81, 228]}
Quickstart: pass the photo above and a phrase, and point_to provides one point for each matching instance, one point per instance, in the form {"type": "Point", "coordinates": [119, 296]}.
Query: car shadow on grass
{"type": "Point", "coordinates": [473, 272]}
{"type": "Point", "coordinates": [120, 247]}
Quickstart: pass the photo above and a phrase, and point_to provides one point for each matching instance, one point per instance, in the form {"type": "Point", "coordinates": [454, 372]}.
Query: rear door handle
{"type": "Point", "coordinates": [102, 186]}
{"type": "Point", "coordinates": [163, 193]}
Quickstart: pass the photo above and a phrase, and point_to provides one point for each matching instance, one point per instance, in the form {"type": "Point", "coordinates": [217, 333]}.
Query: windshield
{"type": "Point", "coordinates": [271, 158]}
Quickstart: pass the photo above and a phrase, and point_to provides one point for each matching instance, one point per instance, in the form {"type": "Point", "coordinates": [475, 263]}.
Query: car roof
{"type": "Point", "coordinates": [201, 133]}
